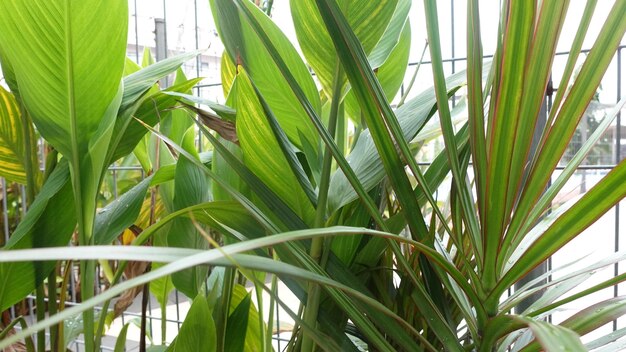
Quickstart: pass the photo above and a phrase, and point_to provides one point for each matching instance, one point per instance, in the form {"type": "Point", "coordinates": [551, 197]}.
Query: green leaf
{"type": "Point", "coordinates": [198, 330]}
{"type": "Point", "coordinates": [186, 258]}
{"type": "Point", "coordinates": [120, 214]}
{"type": "Point", "coordinates": [63, 44]}
{"type": "Point", "coordinates": [191, 187]}
{"type": "Point", "coordinates": [120, 343]}
{"type": "Point", "coordinates": [245, 48]}
{"type": "Point", "coordinates": [553, 338]}
{"type": "Point", "coordinates": [368, 20]}
{"type": "Point", "coordinates": [176, 122]}
{"type": "Point", "coordinates": [243, 332]}
{"type": "Point", "coordinates": [73, 327]}
{"type": "Point", "coordinates": [13, 153]}
{"type": "Point", "coordinates": [392, 38]}
{"type": "Point", "coordinates": [591, 318]}
{"type": "Point", "coordinates": [141, 99]}
{"type": "Point", "coordinates": [220, 165]}
{"type": "Point", "coordinates": [43, 226]}
{"type": "Point", "coordinates": [599, 199]}
{"type": "Point", "coordinates": [390, 74]}
{"type": "Point", "coordinates": [412, 116]}
{"type": "Point", "coordinates": [566, 120]}
{"type": "Point", "coordinates": [148, 111]}
{"type": "Point", "coordinates": [137, 83]}
{"type": "Point", "coordinates": [262, 152]}
{"type": "Point", "coordinates": [505, 118]}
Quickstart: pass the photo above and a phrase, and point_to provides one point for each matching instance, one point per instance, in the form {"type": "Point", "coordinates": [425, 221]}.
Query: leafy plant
{"type": "Point", "coordinates": [320, 186]}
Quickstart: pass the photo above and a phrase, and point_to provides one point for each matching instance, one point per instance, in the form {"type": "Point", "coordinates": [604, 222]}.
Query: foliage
{"type": "Point", "coordinates": [320, 185]}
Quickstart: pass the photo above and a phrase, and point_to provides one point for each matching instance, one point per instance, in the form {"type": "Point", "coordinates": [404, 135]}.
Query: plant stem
{"type": "Point", "coordinates": [62, 296]}
{"type": "Point", "coordinates": [41, 315]}
{"type": "Point", "coordinates": [145, 297]}
{"type": "Point", "coordinates": [313, 299]}
{"type": "Point", "coordinates": [270, 316]}
{"type": "Point", "coordinates": [31, 186]}
{"type": "Point", "coordinates": [52, 307]}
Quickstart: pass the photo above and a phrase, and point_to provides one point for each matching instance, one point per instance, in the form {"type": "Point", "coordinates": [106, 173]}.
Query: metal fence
{"type": "Point", "coordinates": [163, 28]}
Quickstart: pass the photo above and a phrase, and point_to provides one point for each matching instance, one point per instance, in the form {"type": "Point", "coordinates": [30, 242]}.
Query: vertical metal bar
{"type": "Point", "coordinates": [177, 309]}
{"type": "Point", "coordinates": [114, 175]}
{"type": "Point", "coordinates": [452, 35]}
{"type": "Point", "coordinates": [198, 63]}
{"type": "Point", "coordinates": [5, 210]}
{"type": "Point", "coordinates": [72, 283]}
{"type": "Point", "coordinates": [452, 52]}
{"type": "Point", "coordinates": [160, 33]}
{"type": "Point", "coordinates": [136, 34]}
{"type": "Point", "coordinates": [618, 157]}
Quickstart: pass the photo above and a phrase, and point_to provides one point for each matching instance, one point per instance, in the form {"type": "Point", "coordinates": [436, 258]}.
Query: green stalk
{"type": "Point", "coordinates": [41, 315]}
{"type": "Point", "coordinates": [313, 298]}
{"type": "Point", "coordinates": [52, 307]}
{"type": "Point", "coordinates": [86, 215]}
{"type": "Point", "coordinates": [258, 292]}
{"type": "Point", "coordinates": [270, 316]}
{"type": "Point", "coordinates": [31, 185]}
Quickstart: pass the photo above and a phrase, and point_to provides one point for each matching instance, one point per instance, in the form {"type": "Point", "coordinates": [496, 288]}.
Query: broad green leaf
{"type": "Point", "coordinates": [13, 148]}
{"type": "Point", "coordinates": [245, 48]}
{"type": "Point", "coordinates": [349, 308]}
{"type": "Point", "coordinates": [176, 123]}
{"type": "Point", "coordinates": [390, 74]}
{"type": "Point", "coordinates": [130, 67]}
{"type": "Point", "coordinates": [220, 166]}
{"type": "Point", "coordinates": [141, 99]}
{"type": "Point", "coordinates": [262, 152]}
{"type": "Point", "coordinates": [243, 323]}
{"type": "Point", "coordinates": [120, 214]}
{"type": "Point", "coordinates": [137, 83]}
{"type": "Point", "coordinates": [8, 74]}
{"type": "Point", "coordinates": [147, 59]}
{"type": "Point", "coordinates": [368, 20]}
{"type": "Point", "coordinates": [49, 222]}
{"type": "Point", "coordinates": [392, 36]}
{"type": "Point", "coordinates": [148, 111]}
{"type": "Point", "coordinates": [191, 187]}
{"type": "Point", "coordinates": [237, 328]}
{"type": "Point", "coordinates": [228, 73]}
{"type": "Point", "coordinates": [68, 68]}
{"type": "Point", "coordinates": [198, 330]}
